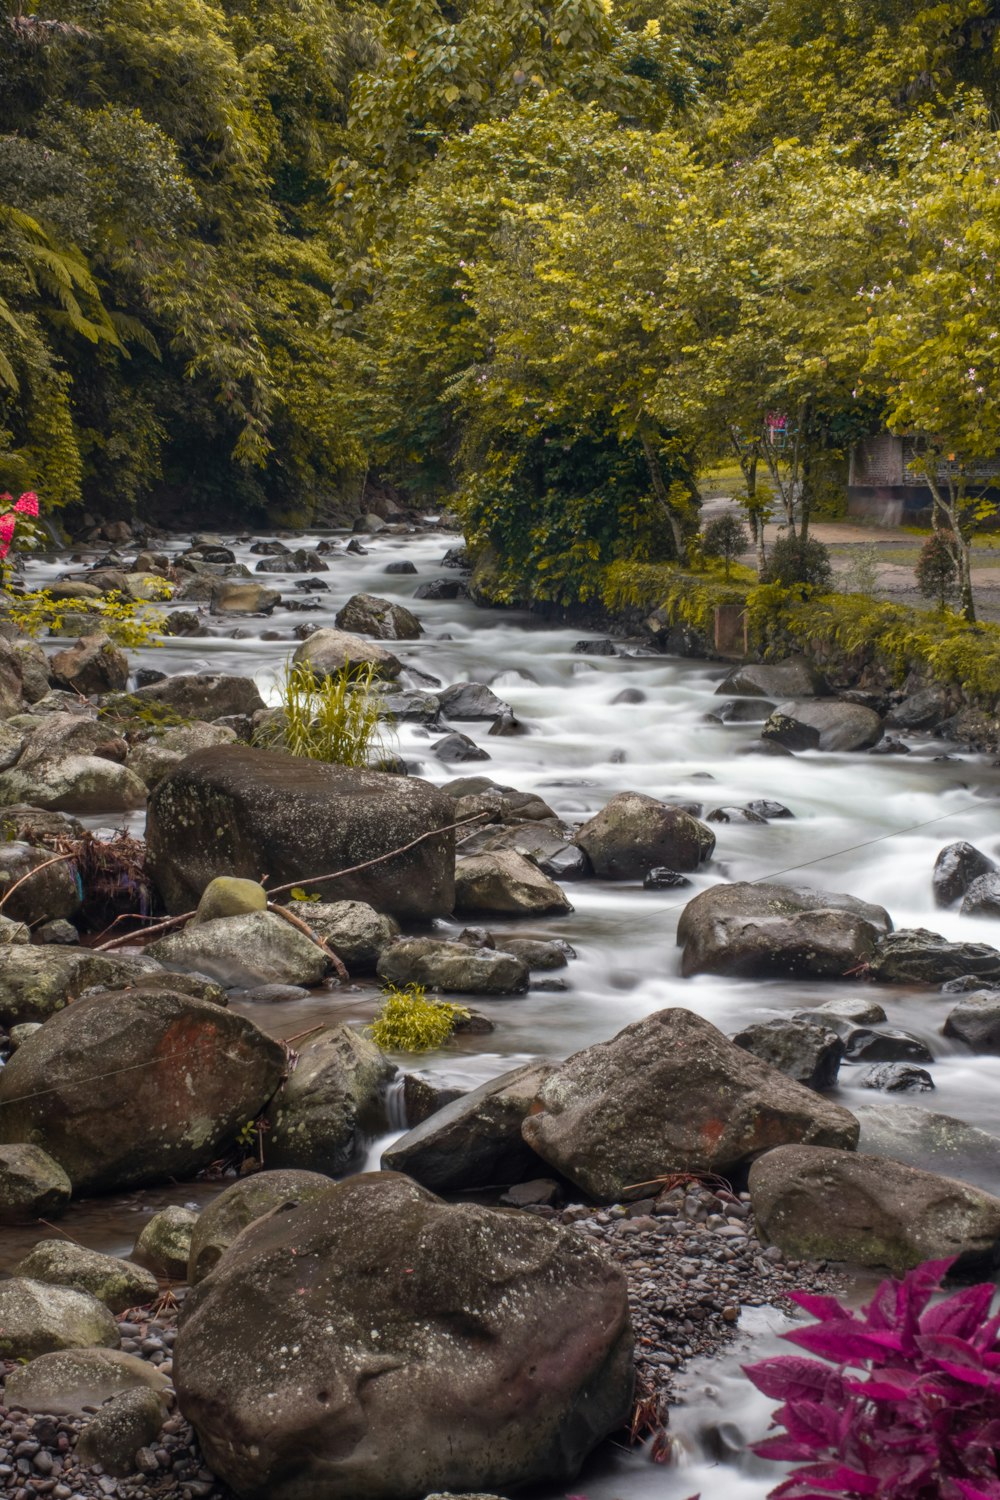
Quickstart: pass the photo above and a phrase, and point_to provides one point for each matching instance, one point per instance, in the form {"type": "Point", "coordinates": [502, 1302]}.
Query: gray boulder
{"type": "Point", "coordinates": [537, 953]}
{"type": "Point", "coordinates": [164, 1243]}
{"type": "Point", "coordinates": [36, 1318]}
{"type": "Point", "coordinates": [923, 1138]}
{"type": "Point", "coordinates": [93, 665]}
{"type": "Point", "coordinates": [68, 1381]}
{"type": "Point", "coordinates": [844, 1009]}
{"type": "Point", "coordinates": [505, 883]}
{"type": "Point", "coordinates": [152, 759]}
{"type": "Point", "coordinates": [454, 967]}
{"type": "Point", "coordinates": [328, 652]}
{"type": "Point", "coordinates": [258, 947]}
{"type": "Point", "coordinates": [788, 733]}
{"type": "Point", "coordinates": [476, 1140]}
{"type": "Point", "coordinates": [117, 1283]}
{"type": "Point", "coordinates": [355, 931]}
{"type": "Point", "coordinates": [367, 614]}
{"type": "Point", "coordinates": [35, 982]}
{"type": "Point", "coordinates": [810, 1054]}
{"type": "Point", "coordinates": [47, 895]}
{"type": "Point", "coordinates": [897, 1078]}
{"type": "Point", "coordinates": [32, 1185]}
{"type": "Point", "coordinates": [915, 956]}
{"type": "Point", "coordinates": [472, 700]}
{"type": "Point", "coordinates": [204, 695]}
{"type": "Point", "coordinates": [982, 899]}
{"type": "Point", "coordinates": [822, 1204]}
{"type": "Point", "coordinates": [77, 783]}
{"type": "Point", "coordinates": [779, 931]}
{"type": "Point", "coordinates": [327, 1106]}
{"type": "Point", "coordinates": [236, 597]}
{"type": "Point", "coordinates": [839, 725]}
{"type": "Point", "coordinates": [671, 1094]}
{"type": "Point", "coordinates": [921, 710]}
{"type": "Point", "coordinates": [975, 1020]}
{"type": "Point", "coordinates": [246, 1200]}
{"type": "Point", "coordinates": [514, 1331]}
{"type": "Point", "coordinates": [113, 1436]}
{"type": "Point", "coordinates": [955, 868]}
{"type": "Point", "coordinates": [792, 678]}
{"type": "Point", "coordinates": [634, 833]}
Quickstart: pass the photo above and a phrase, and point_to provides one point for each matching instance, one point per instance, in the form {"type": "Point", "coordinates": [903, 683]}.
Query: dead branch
{"type": "Point", "coordinates": [58, 860]}
{"type": "Point", "coordinates": [379, 858]}
{"type": "Point", "coordinates": [314, 937]}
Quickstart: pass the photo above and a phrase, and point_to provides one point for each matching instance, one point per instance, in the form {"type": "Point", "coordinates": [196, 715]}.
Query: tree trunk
{"type": "Point", "coordinates": [950, 507]}
{"type": "Point", "coordinates": [662, 495]}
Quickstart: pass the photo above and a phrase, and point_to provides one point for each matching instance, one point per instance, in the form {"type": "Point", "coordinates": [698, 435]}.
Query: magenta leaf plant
{"type": "Point", "coordinates": [903, 1402]}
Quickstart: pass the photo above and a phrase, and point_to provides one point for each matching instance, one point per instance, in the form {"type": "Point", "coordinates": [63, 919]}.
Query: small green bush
{"type": "Point", "coordinates": [725, 538]}
{"type": "Point", "coordinates": [407, 1021]}
{"type": "Point", "coordinates": [792, 560]}
{"type": "Point", "coordinates": [336, 718]}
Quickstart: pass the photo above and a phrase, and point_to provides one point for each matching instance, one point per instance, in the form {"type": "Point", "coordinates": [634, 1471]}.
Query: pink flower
{"type": "Point", "coordinates": [7, 524]}
{"type": "Point", "coordinates": [28, 504]}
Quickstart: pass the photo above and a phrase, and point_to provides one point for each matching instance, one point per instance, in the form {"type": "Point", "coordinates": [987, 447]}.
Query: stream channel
{"type": "Point", "coordinates": [868, 825]}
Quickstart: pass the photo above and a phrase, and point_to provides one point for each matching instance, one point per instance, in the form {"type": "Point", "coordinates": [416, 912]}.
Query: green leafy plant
{"type": "Point", "coordinates": [937, 569]}
{"type": "Point", "coordinates": [336, 718]}
{"type": "Point", "coordinates": [795, 560]}
{"type": "Point", "coordinates": [725, 538]}
{"type": "Point", "coordinates": [127, 622]}
{"type": "Point", "coordinates": [407, 1021]}
{"type": "Point", "coordinates": [137, 715]}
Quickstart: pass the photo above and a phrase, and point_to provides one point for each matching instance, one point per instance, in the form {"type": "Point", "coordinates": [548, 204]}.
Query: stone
{"type": "Point", "coordinates": [68, 1381]}
{"type": "Point", "coordinates": [137, 1085]}
{"type": "Point", "coordinates": [32, 1185]}
{"type": "Point", "coordinates": [228, 896]}
{"type": "Point", "coordinates": [324, 1112]}
{"type": "Point", "coordinates": [77, 783]}
{"type": "Point", "coordinates": [792, 678]}
{"type": "Point", "coordinates": [923, 1138]}
{"type": "Point", "coordinates": [93, 665]}
{"type": "Point", "coordinates": [896, 1078]}
{"type": "Point", "coordinates": [845, 1008]}
{"type": "Point", "coordinates": [975, 1020]}
{"type": "Point", "coordinates": [816, 1203]}
{"type": "Point", "coordinates": [152, 759]}
{"type": "Point", "coordinates": [777, 931]}
{"type": "Point", "coordinates": [34, 670]}
{"type": "Point", "coordinates": [233, 810]}
{"type": "Point", "coordinates": [661, 879]}
{"type": "Point", "coordinates": [404, 566]}
{"type": "Point", "coordinates": [204, 695]}
{"type": "Point", "coordinates": [790, 733]}
{"type": "Point", "coordinates": [423, 1096]}
{"type": "Point", "coordinates": [367, 614]}
{"type": "Point", "coordinates": [34, 825]}
{"type": "Point", "coordinates": [36, 981]}
{"type": "Point", "coordinates": [233, 597]}
{"type": "Point", "coordinates": [128, 1422]}
{"type": "Point", "coordinates": [440, 588]}
{"type": "Point", "coordinates": [671, 1094]}
{"type": "Point", "coordinates": [476, 1140]}
{"type": "Point", "coordinates": [863, 1044]}
{"type": "Point", "coordinates": [13, 932]}
{"type": "Point", "coordinates": [453, 967]}
{"type": "Point", "coordinates": [355, 931]}
{"type": "Point", "coordinates": [734, 815]}
{"type": "Point", "coordinates": [537, 953]}
{"type": "Point", "coordinates": [810, 1054]}
{"type": "Point", "coordinates": [459, 747]}
{"type": "Point", "coordinates": [328, 652]}
{"type": "Point", "coordinates": [51, 893]}
{"type": "Point", "coordinates": [472, 700]}
{"type": "Point", "coordinates": [768, 810]}
{"type": "Point", "coordinates": [634, 833]}
{"type": "Point", "coordinates": [921, 710]}
{"type": "Point", "coordinates": [955, 869]}
{"type": "Point", "coordinates": [58, 931]}
{"type": "Point", "coordinates": [36, 1318]}
{"type": "Point", "coordinates": [246, 1200]}
{"type": "Point", "coordinates": [982, 899]}
{"type": "Point", "coordinates": [840, 726]}
{"type": "Point", "coordinates": [915, 956]}
{"type": "Point", "coordinates": [164, 1244]}
{"type": "Point", "coordinates": [258, 947]}
{"type": "Point", "coordinates": [299, 1385]}
{"type": "Point", "coordinates": [119, 1284]}
{"type": "Point", "coordinates": [505, 883]}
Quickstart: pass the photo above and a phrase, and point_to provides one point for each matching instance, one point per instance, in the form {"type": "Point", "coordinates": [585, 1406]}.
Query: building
{"type": "Point", "coordinates": [883, 487]}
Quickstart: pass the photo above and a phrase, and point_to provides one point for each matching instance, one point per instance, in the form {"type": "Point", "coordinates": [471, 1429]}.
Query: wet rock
{"type": "Point", "coordinates": [843, 1011]}
{"type": "Point", "coordinates": [922, 1138]}
{"type": "Point", "coordinates": [57, 931]}
{"type": "Point", "coordinates": [32, 825]}
{"type": "Point", "coordinates": [13, 932]}
{"type": "Point", "coordinates": [453, 967]}
{"type": "Point", "coordinates": [205, 695]}
{"type": "Point", "coordinates": [238, 811]}
{"type": "Point", "coordinates": [476, 1140]}
{"type": "Point", "coordinates": [982, 899]}
{"type": "Point", "coordinates": [297, 560]}
{"type": "Point", "coordinates": [35, 981]}
{"type": "Point", "coordinates": [257, 948]}
{"type": "Point", "coordinates": [423, 1096]}
{"type": "Point", "coordinates": [671, 1094]}
{"type": "Point", "coordinates": [327, 1107]}
{"type": "Point", "coordinates": [366, 614]}
{"type": "Point", "coordinates": [75, 783]}
{"type": "Point", "coordinates": [565, 863]}
{"type": "Point", "coordinates": [971, 727]}
{"type": "Point", "coordinates": [74, 1086]}
{"type": "Point", "coordinates": [228, 896]}
{"type": "Point", "coordinates": [810, 1054]}
{"type": "Point", "coordinates": [537, 953]}
{"type": "Point", "coordinates": [792, 678]}
{"type": "Point", "coordinates": [604, 647]}
{"type": "Point", "coordinates": [459, 747]}
{"type": "Point", "coordinates": [504, 883]}
{"type": "Point", "coordinates": [355, 931]}
{"type": "Point", "coordinates": [635, 833]}
{"type": "Point", "coordinates": [251, 1198]}
{"type": "Point", "coordinates": [864, 1044]}
{"type": "Point", "coordinates": [790, 733]}
{"type": "Point", "coordinates": [233, 597]}
{"type": "Point", "coordinates": [93, 665]}
{"type": "Point", "coordinates": [955, 869]}
{"type": "Point", "coordinates": [34, 670]}
{"type": "Point", "coordinates": [128, 1422]}
{"type": "Point", "coordinates": [117, 1283]}
{"type": "Point", "coordinates": [922, 710]}
{"type": "Point", "coordinates": [975, 1020]}
{"type": "Point", "coordinates": [400, 568]}
{"type": "Point", "coordinates": [443, 1299]}
{"type": "Point", "coordinates": [769, 810]}
{"type": "Point", "coordinates": [759, 931]}
{"type": "Point", "coordinates": [472, 700]}
{"type": "Point", "coordinates": [896, 1078]}
{"type": "Point", "coordinates": [661, 879]}
{"type": "Point", "coordinates": [164, 1245]}
{"type": "Point", "coordinates": [629, 695]}
{"type": "Point", "coordinates": [51, 893]}
{"type": "Point", "coordinates": [734, 815]}
{"type": "Point", "coordinates": [70, 1380]}
{"type": "Point", "coordinates": [440, 588]}
{"type": "Point", "coordinates": [915, 956]}
{"type": "Point", "coordinates": [36, 1318]}
{"type": "Point", "coordinates": [328, 652]}
{"type": "Point", "coordinates": [820, 1204]}
{"type": "Point", "coordinates": [32, 1185]}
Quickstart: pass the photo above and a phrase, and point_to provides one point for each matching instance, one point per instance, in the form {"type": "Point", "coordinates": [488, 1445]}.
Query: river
{"type": "Point", "coordinates": [869, 825]}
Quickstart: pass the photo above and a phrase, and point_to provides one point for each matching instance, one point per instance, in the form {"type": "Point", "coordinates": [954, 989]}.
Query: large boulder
{"type": "Point", "coordinates": [955, 869]}
{"type": "Point", "coordinates": [32, 1185]}
{"type": "Point", "coordinates": [93, 665]}
{"type": "Point", "coordinates": [505, 883]}
{"type": "Point", "coordinates": [36, 1318]}
{"type": "Point", "coordinates": [822, 1204]}
{"type": "Point", "coordinates": [164, 1242]}
{"type": "Point", "coordinates": [328, 652]}
{"type": "Point", "coordinates": [51, 893]}
{"type": "Point", "coordinates": [407, 1346]}
{"type": "Point", "coordinates": [246, 1200]}
{"type": "Point", "coordinates": [975, 1020]}
{"type": "Point", "coordinates": [36, 981]}
{"type": "Point", "coordinates": [792, 678]}
{"type": "Point", "coordinates": [69, 1381]}
{"type": "Point", "coordinates": [472, 700]}
{"type": "Point", "coordinates": [915, 956]}
{"type": "Point", "coordinates": [634, 833]}
{"type": "Point", "coordinates": [476, 1140]}
{"type": "Point", "coordinates": [326, 1108]}
{"type": "Point", "coordinates": [114, 1435]}
{"type": "Point", "coordinates": [455, 967]}
{"type": "Point", "coordinates": [77, 783]}
{"type": "Point", "coordinates": [355, 931]}
{"type": "Point", "coordinates": [367, 614]}
{"type": "Point", "coordinates": [132, 1086]}
{"type": "Point", "coordinates": [117, 1283]}
{"type": "Point", "coordinates": [233, 810]}
{"type": "Point", "coordinates": [153, 758]}
{"type": "Point", "coordinates": [243, 597]}
{"type": "Point", "coordinates": [838, 725]}
{"type": "Point", "coordinates": [671, 1094]}
{"type": "Point", "coordinates": [808, 1053]}
{"type": "Point", "coordinates": [777, 931]}
{"type": "Point", "coordinates": [923, 1138]}
{"type": "Point", "coordinates": [258, 947]}
{"type": "Point", "coordinates": [204, 695]}
{"type": "Point", "coordinates": [11, 680]}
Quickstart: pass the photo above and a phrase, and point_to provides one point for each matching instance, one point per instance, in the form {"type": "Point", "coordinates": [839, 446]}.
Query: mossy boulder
{"type": "Point", "coordinates": [117, 1283]}
{"type": "Point", "coordinates": [320, 1117]}
{"type": "Point", "coordinates": [164, 1245]}
{"type": "Point", "coordinates": [257, 947]}
{"type": "Point", "coordinates": [229, 1214]}
{"type": "Point", "coordinates": [635, 833]}
{"type": "Point", "coordinates": [36, 1318]}
{"type": "Point", "coordinates": [32, 1185]}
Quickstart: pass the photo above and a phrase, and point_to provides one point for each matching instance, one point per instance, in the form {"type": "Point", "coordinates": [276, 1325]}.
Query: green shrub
{"type": "Point", "coordinates": [725, 538]}
{"type": "Point", "coordinates": [792, 560]}
{"type": "Point", "coordinates": [125, 621]}
{"type": "Point", "coordinates": [336, 718]}
{"type": "Point", "coordinates": [407, 1021]}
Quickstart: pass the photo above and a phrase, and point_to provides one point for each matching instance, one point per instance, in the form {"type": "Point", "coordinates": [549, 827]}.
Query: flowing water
{"type": "Point", "coordinates": [869, 825]}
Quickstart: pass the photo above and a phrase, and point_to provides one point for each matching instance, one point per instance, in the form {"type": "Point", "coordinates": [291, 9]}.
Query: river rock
{"type": "Point", "coordinates": [328, 652]}
{"type": "Point", "coordinates": [810, 1054]}
{"type": "Point", "coordinates": [367, 614]}
{"type": "Point", "coordinates": [117, 1283]}
{"type": "Point", "coordinates": [789, 733]}
{"type": "Point", "coordinates": [887, 1044]}
{"type": "Point", "coordinates": [537, 953]}
{"type": "Point", "coordinates": [126, 1423]}
{"type": "Point", "coordinates": [635, 833]}
{"type": "Point", "coordinates": [671, 1094]}
{"type": "Point", "coordinates": [921, 710]}
{"type": "Point", "coordinates": [68, 1381]}
{"type": "Point", "coordinates": [505, 883]}
{"type": "Point", "coordinates": [93, 665]}
{"type": "Point", "coordinates": [815, 1203]}
{"type": "Point", "coordinates": [320, 1118]}
{"type": "Point", "coordinates": [845, 1009]}
{"type": "Point", "coordinates": [897, 1078]}
{"type": "Point", "coordinates": [51, 893]}
{"type": "Point", "coordinates": [454, 967]}
{"type": "Point", "coordinates": [299, 820]}
{"type": "Point", "coordinates": [476, 1140]}
{"type": "Point", "coordinates": [515, 1332]}
{"type": "Point", "coordinates": [34, 670]}
{"type": "Point", "coordinates": [204, 695]}
{"type": "Point", "coordinates": [137, 1085]}
{"type": "Point", "coordinates": [975, 1020]}
{"type": "Point", "coordinates": [982, 899]}
{"type": "Point", "coordinates": [792, 678]}
{"type": "Point", "coordinates": [459, 747]}
{"type": "Point", "coordinates": [235, 597]}
{"type": "Point", "coordinates": [153, 758]}
{"type": "Point", "coordinates": [36, 981]}
{"type": "Point", "coordinates": [33, 825]}
{"type": "Point", "coordinates": [32, 1185]}
{"type": "Point", "coordinates": [164, 1244]}
{"type": "Point", "coordinates": [777, 931]}
{"type": "Point", "coordinates": [472, 700]}
{"type": "Point", "coordinates": [256, 948]}
{"type": "Point", "coordinates": [36, 1318]}
{"type": "Point", "coordinates": [228, 896]}
{"type": "Point", "coordinates": [955, 869]}
{"type": "Point", "coordinates": [923, 1138]}
{"type": "Point", "coordinates": [246, 1200]}
{"type": "Point", "coordinates": [915, 956]}
{"type": "Point", "coordinates": [355, 931]}
{"type": "Point", "coordinates": [840, 726]}
{"type": "Point", "coordinates": [440, 588]}
{"type": "Point", "coordinates": [77, 783]}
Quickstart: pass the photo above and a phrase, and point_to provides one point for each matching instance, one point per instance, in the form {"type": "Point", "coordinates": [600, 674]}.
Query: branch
{"type": "Point", "coordinates": [58, 860]}
{"type": "Point", "coordinates": [281, 911]}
